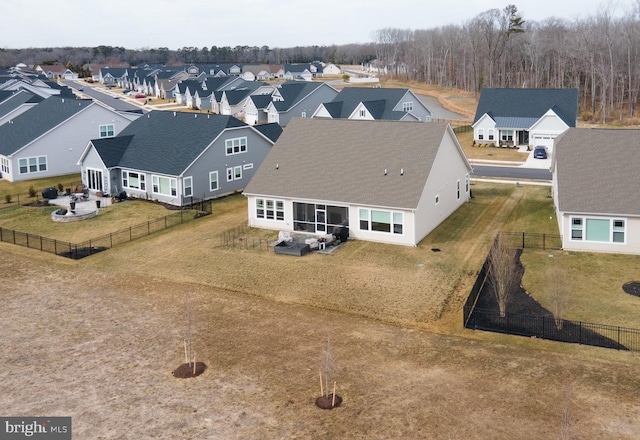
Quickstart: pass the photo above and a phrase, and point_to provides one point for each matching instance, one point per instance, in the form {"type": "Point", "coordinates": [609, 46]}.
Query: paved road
{"type": "Point", "coordinates": [107, 99]}
{"type": "Point", "coordinates": [511, 172]}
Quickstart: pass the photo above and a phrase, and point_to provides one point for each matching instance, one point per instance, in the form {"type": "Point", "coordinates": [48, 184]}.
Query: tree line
{"type": "Point", "coordinates": [599, 55]}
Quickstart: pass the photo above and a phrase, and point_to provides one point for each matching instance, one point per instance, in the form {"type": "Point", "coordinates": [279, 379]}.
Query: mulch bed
{"type": "Point", "coordinates": [527, 317]}
{"type": "Point", "coordinates": [632, 288]}
{"type": "Point", "coordinates": [185, 371]}
{"type": "Point", "coordinates": [325, 402]}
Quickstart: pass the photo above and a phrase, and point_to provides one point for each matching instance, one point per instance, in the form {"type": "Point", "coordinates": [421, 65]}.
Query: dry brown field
{"type": "Point", "coordinates": [97, 340]}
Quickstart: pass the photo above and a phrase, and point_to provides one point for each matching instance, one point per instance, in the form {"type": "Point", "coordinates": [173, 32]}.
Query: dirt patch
{"type": "Point", "coordinates": [328, 402]}
{"type": "Point", "coordinates": [632, 288]}
{"type": "Point", "coordinates": [186, 371]}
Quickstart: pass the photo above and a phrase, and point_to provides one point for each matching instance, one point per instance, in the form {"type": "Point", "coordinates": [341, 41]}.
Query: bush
{"type": "Point", "coordinates": [7, 198]}
{"type": "Point", "coordinates": [32, 192]}
{"type": "Point", "coordinates": [60, 187]}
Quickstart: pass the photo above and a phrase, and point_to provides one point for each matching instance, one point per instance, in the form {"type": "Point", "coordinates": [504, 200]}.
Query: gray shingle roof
{"type": "Point", "coordinates": [17, 99]}
{"type": "Point", "coordinates": [344, 161]}
{"type": "Point", "coordinates": [379, 102]}
{"type": "Point", "coordinates": [529, 103]}
{"type": "Point", "coordinates": [167, 142]}
{"type": "Point", "coordinates": [597, 171]}
{"type": "Point", "coordinates": [35, 122]}
{"type": "Point", "coordinates": [293, 92]}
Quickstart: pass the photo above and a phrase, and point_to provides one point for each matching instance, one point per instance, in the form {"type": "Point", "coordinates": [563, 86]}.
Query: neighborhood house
{"type": "Point", "coordinates": [177, 158]}
{"type": "Point", "coordinates": [386, 181]}
{"type": "Point", "coordinates": [524, 117]}
{"type": "Point", "coordinates": [596, 189]}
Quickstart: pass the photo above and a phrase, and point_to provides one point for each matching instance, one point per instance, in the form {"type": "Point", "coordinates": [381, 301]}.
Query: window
{"type": "Point", "coordinates": [133, 180]}
{"type": "Point", "coordinates": [480, 133]}
{"type": "Point", "coordinates": [490, 131]}
{"type": "Point", "coordinates": [31, 164]}
{"type": "Point", "coordinates": [236, 146]}
{"type": "Point", "coordinates": [5, 166]}
{"type": "Point", "coordinates": [213, 181]}
{"type": "Point", "coordinates": [270, 209]}
{"type": "Point", "coordinates": [437, 200]}
{"type": "Point", "coordinates": [618, 231]}
{"type": "Point", "coordinates": [458, 189]}
{"type": "Point", "coordinates": [507, 135]}
{"type": "Point", "coordinates": [107, 130]}
{"type": "Point", "coordinates": [407, 106]}
{"type": "Point", "coordinates": [364, 219]}
{"type": "Point", "coordinates": [303, 114]}
{"type": "Point", "coordinates": [381, 221]}
{"type": "Point", "coordinates": [247, 166]}
{"type": "Point", "coordinates": [598, 229]}
{"type": "Point", "coordinates": [187, 182]}
{"type": "Point", "coordinates": [466, 184]}
{"type": "Point", "coordinates": [234, 173]}
{"type": "Point", "coordinates": [165, 185]}
{"type": "Point", "coordinates": [576, 229]}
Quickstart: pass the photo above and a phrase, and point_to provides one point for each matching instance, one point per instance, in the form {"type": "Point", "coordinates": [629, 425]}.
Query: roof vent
{"type": "Point", "coordinates": [195, 115]}
{"type": "Point", "coordinates": [402, 171]}
{"type": "Point", "coordinates": [277, 166]}
{"type": "Point", "coordinates": [174, 114]}
{"type": "Point", "coordinates": [385, 171]}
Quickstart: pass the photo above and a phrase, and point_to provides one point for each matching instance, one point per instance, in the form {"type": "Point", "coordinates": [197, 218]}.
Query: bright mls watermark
{"type": "Point", "coordinates": [38, 428]}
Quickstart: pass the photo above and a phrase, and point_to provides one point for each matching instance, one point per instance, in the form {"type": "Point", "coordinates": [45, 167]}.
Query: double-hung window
{"type": "Point", "coordinates": [32, 164]}
{"type": "Point", "coordinates": [187, 184]}
{"type": "Point", "coordinates": [213, 181]}
{"type": "Point", "coordinates": [270, 209]}
{"type": "Point", "coordinates": [234, 173]}
{"type": "Point", "coordinates": [407, 106]}
{"type": "Point", "coordinates": [107, 130]}
{"type": "Point", "coordinates": [236, 146]}
{"type": "Point", "coordinates": [480, 133]}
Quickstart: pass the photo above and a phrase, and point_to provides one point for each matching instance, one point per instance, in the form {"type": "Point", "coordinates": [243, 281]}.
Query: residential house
{"type": "Point", "coordinates": [528, 117]}
{"type": "Point", "coordinates": [295, 99]}
{"type": "Point", "coordinates": [386, 181]}
{"type": "Point", "coordinates": [113, 75]}
{"type": "Point", "coordinates": [177, 157]}
{"type": "Point", "coordinates": [596, 189]}
{"type": "Point", "coordinates": [393, 104]}
{"type": "Point", "coordinates": [47, 139]}
{"type": "Point", "coordinates": [330, 69]}
{"type": "Point", "coordinates": [13, 104]}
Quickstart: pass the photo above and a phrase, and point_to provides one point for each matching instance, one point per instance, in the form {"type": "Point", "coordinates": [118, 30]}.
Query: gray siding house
{"type": "Point", "coordinates": [297, 100]}
{"type": "Point", "coordinates": [596, 189]}
{"type": "Point", "coordinates": [48, 139]}
{"type": "Point", "coordinates": [178, 158]}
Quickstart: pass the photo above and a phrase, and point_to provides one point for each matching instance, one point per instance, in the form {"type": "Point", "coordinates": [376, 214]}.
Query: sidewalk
{"type": "Point", "coordinates": [543, 164]}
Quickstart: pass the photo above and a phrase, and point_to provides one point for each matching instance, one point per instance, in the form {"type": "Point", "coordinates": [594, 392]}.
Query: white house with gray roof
{"type": "Point", "coordinates": [47, 139]}
{"type": "Point", "coordinates": [596, 189]}
{"type": "Point", "coordinates": [531, 117]}
{"type": "Point", "coordinates": [387, 181]}
{"type": "Point", "coordinates": [177, 157]}
{"type": "Point", "coordinates": [393, 104]}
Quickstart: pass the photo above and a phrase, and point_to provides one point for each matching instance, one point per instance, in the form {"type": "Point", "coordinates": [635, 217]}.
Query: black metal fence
{"type": "Point", "coordinates": [524, 240]}
{"type": "Point", "coordinates": [238, 237]}
{"type": "Point", "coordinates": [542, 324]}
{"type": "Point", "coordinates": [99, 244]}
{"type": "Point", "coordinates": [563, 330]}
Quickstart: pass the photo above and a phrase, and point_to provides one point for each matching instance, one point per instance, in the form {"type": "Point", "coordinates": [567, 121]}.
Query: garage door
{"type": "Point", "coordinates": [543, 141]}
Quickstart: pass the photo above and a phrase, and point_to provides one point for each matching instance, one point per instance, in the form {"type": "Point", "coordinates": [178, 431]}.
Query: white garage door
{"type": "Point", "coordinates": [543, 141]}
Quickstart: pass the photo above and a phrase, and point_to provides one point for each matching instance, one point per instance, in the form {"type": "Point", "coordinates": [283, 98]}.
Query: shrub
{"type": "Point", "coordinates": [60, 187]}
{"type": "Point", "coordinates": [7, 198]}
{"type": "Point", "coordinates": [32, 192]}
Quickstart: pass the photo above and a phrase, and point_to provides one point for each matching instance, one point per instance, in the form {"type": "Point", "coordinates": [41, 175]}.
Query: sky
{"type": "Point", "coordinates": [138, 24]}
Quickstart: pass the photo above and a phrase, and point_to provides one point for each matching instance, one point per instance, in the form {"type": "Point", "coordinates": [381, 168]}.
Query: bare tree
{"type": "Point", "coordinates": [565, 420]}
{"type": "Point", "coordinates": [559, 293]}
{"type": "Point", "coordinates": [328, 364]}
{"type": "Point", "coordinates": [189, 354]}
{"type": "Point", "coordinates": [502, 272]}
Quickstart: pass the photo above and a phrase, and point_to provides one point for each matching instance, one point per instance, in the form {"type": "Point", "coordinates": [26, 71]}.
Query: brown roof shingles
{"type": "Point", "coordinates": [345, 160]}
{"type": "Point", "coordinates": [598, 171]}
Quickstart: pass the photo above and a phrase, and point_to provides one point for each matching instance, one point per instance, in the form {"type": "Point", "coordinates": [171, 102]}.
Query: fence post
{"type": "Point", "coordinates": [55, 247]}
{"type": "Point", "coordinates": [148, 227]}
{"type": "Point", "coordinates": [619, 338]}
{"type": "Point", "coordinates": [580, 332]}
{"type": "Point", "coordinates": [130, 233]}
{"type": "Point", "coordinates": [544, 242]}
{"type": "Point", "coordinates": [40, 242]}
{"type": "Point", "coordinates": [523, 240]}
{"type": "Point", "coordinates": [110, 240]}
{"type": "Point", "coordinates": [89, 247]}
